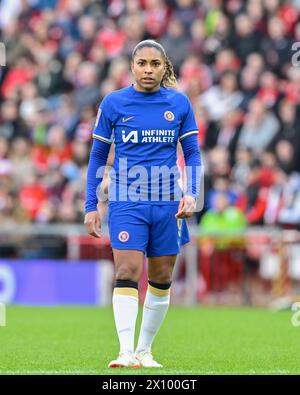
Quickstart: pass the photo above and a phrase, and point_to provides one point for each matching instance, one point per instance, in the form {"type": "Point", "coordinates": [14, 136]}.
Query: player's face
{"type": "Point", "coordinates": [148, 68]}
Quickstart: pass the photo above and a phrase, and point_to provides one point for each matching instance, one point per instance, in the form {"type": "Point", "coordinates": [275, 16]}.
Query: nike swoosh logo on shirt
{"type": "Point", "coordinates": [126, 119]}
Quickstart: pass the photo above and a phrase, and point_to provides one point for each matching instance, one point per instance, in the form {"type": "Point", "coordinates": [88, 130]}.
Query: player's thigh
{"type": "Point", "coordinates": [160, 268]}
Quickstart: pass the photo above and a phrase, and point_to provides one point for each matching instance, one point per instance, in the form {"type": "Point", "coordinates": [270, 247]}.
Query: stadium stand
{"type": "Point", "coordinates": [233, 59]}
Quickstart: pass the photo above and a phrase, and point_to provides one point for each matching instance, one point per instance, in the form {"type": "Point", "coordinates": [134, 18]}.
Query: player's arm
{"type": "Point", "coordinates": [102, 140]}
{"type": "Point", "coordinates": [192, 159]}
{"type": "Point", "coordinates": [97, 160]}
{"type": "Point", "coordinates": [188, 137]}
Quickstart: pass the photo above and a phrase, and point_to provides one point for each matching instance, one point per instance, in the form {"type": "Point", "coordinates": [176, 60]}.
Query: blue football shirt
{"type": "Point", "coordinates": [145, 128]}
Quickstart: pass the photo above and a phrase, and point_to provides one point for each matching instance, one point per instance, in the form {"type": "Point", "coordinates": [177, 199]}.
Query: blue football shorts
{"type": "Point", "coordinates": [151, 228]}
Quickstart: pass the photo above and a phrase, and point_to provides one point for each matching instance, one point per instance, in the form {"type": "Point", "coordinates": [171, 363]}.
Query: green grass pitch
{"type": "Point", "coordinates": [82, 340]}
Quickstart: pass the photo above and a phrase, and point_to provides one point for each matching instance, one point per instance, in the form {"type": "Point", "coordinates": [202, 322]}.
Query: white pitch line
{"type": "Point", "coordinates": [196, 372]}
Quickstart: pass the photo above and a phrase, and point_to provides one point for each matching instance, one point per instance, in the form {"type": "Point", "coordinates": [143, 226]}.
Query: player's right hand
{"type": "Point", "coordinates": [92, 222]}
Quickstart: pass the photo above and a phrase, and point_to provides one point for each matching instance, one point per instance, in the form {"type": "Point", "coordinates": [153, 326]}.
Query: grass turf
{"type": "Point", "coordinates": [82, 340]}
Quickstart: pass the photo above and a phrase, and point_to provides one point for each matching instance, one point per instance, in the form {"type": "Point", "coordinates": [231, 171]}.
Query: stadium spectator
{"type": "Point", "coordinates": [277, 46]}
{"type": "Point", "coordinates": [260, 127]}
{"type": "Point", "coordinates": [286, 158]}
{"type": "Point", "coordinates": [242, 167]}
{"type": "Point", "coordinates": [218, 162]}
{"type": "Point", "coordinates": [21, 161]}
{"type": "Point", "coordinates": [246, 38]}
{"type": "Point", "coordinates": [32, 195]}
{"type": "Point", "coordinates": [288, 132]}
{"type": "Point", "coordinates": [5, 162]}
{"type": "Point", "coordinates": [269, 92]}
{"type": "Point", "coordinates": [283, 203]}
{"type": "Point", "coordinates": [249, 86]}
{"type": "Point", "coordinates": [221, 185]}
{"type": "Point", "coordinates": [223, 217]}
{"type": "Point", "coordinates": [226, 60]}
{"type": "Point", "coordinates": [86, 86]}
{"type": "Point", "coordinates": [176, 43]}
{"type": "Point", "coordinates": [220, 39]}
{"type": "Point", "coordinates": [221, 98]}
{"type": "Point", "coordinates": [195, 74]}
{"type": "Point", "coordinates": [12, 124]}
{"type": "Point", "coordinates": [225, 133]}
{"type": "Point", "coordinates": [186, 11]}
{"type": "Point", "coordinates": [252, 201]}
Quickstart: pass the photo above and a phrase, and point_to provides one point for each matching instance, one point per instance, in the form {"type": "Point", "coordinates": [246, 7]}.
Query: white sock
{"type": "Point", "coordinates": [155, 309]}
{"type": "Point", "coordinates": [125, 306]}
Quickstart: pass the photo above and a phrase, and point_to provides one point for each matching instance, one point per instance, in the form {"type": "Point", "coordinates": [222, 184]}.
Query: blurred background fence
{"type": "Point", "coordinates": [60, 264]}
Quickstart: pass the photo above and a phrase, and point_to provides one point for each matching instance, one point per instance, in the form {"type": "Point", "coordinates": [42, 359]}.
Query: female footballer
{"type": "Point", "coordinates": [146, 213]}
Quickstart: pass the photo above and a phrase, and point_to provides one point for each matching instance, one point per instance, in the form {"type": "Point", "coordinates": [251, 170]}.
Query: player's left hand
{"type": "Point", "coordinates": [186, 207]}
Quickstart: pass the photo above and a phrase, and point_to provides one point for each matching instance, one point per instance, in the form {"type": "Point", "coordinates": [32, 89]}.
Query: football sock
{"type": "Point", "coordinates": [155, 309]}
{"type": "Point", "coordinates": [125, 307]}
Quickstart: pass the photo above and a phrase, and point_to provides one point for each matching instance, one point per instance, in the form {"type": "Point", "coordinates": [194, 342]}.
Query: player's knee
{"type": "Point", "coordinates": [161, 277]}
{"type": "Point", "coordinates": [127, 272]}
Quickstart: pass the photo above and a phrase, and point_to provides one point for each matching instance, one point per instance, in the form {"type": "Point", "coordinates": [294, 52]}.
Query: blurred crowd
{"type": "Point", "coordinates": [236, 60]}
